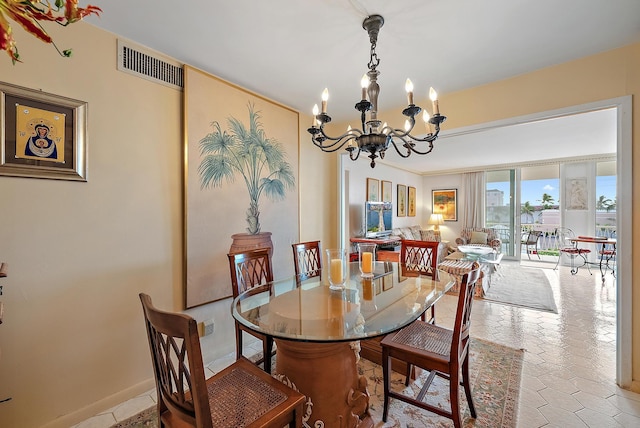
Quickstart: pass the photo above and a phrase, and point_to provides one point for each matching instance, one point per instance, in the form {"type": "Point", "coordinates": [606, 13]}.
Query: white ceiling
{"type": "Point", "coordinates": [290, 50]}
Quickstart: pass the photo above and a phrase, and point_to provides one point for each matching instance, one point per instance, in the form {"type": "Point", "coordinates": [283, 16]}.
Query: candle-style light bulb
{"type": "Point", "coordinates": [407, 125]}
{"type": "Point", "coordinates": [325, 97]}
{"type": "Point", "coordinates": [315, 113]}
{"type": "Point", "coordinates": [385, 129]}
{"type": "Point", "coordinates": [426, 117]}
{"type": "Point", "coordinates": [364, 83]}
{"type": "Point", "coordinates": [433, 95]}
{"type": "Point", "coordinates": [408, 86]}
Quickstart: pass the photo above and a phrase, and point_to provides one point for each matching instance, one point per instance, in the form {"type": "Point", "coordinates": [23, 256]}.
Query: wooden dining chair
{"type": "Point", "coordinates": [441, 351]}
{"type": "Point", "coordinates": [240, 395]}
{"type": "Point", "coordinates": [307, 260]}
{"type": "Point", "coordinates": [248, 270]}
{"type": "Point", "coordinates": [420, 257]}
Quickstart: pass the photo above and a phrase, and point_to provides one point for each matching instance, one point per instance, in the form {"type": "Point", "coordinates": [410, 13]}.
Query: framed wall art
{"type": "Point", "coordinates": [42, 135]}
{"type": "Point", "coordinates": [445, 202]}
{"type": "Point", "coordinates": [402, 200]}
{"type": "Point", "coordinates": [576, 191]}
{"type": "Point", "coordinates": [386, 191]}
{"type": "Point", "coordinates": [230, 205]}
{"type": "Point", "coordinates": [411, 204]}
{"type": "Point", "coordinates": [373, 190]}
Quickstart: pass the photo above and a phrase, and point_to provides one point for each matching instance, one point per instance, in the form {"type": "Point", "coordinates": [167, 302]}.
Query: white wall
{"type": "Point", "coordinates": [358, 172]}
{"type": "Point", "coordinates": [450, 230]}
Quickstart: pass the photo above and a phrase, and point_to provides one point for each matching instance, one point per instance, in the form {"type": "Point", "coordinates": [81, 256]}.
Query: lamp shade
{"type": "Point", "coordinates": [436, 219]}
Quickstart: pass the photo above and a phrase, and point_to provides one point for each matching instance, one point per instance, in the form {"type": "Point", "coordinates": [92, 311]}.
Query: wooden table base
{"type": "Point", "coordinates": [327, 374]}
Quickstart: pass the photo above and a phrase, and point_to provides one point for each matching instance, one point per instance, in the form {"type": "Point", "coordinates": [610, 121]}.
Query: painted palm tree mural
{"type": "Point", "coordinates": [248, 152]}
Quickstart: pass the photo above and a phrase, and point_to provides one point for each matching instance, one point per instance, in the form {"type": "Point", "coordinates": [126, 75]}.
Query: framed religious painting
{"type": "Point", "coordinates": [386, 191]}
{"type": "Point", "coordinates": [373, 190]}
{"type": "Point", "coordinates": [42, 135]}
{"type": "Point", "coordinates": [445, 202]}
{"type": "Point", "coordinates": [402, 200]}
{"type": "Point", "coordinates": [411, 202]}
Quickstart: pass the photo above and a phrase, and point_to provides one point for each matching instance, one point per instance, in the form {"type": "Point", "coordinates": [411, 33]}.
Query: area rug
{"type": "Point", "coordinates": [521, 286]}
{"type": "Point", "coordinates": [496, 372]}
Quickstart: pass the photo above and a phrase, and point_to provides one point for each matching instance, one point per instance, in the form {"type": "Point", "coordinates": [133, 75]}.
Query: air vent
{"type": "Point", "coordinates": [149, 65]}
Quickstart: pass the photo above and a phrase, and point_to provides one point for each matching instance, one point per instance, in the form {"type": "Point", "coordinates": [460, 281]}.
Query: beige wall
{"type": "Point", "coordinates": [72, 342]}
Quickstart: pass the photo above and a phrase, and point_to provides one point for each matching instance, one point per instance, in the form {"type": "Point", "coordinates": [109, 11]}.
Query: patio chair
{"type": "Point", "coordinates": [571, 249]}
{"type": "Point", "coordinates": [531, 240]}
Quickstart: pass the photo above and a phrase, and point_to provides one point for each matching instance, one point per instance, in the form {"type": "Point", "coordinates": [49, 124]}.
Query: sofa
{"type": "Point", "coordinates": [480, 236]}
{"type": "Point", "coordinates": [417, 233]}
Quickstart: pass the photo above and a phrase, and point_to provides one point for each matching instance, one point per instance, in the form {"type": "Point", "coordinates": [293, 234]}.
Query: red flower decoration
{"type": "Point", "coordinates": [29, 14]}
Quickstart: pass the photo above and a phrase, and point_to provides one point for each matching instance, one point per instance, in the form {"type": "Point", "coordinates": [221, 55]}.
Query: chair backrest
{"type": "Point", "coordinates": [177, 365]}
{"type": "Point", "coordinates": [462, 324]}
{"type": "Point", "coordinates": [533, 236]}
{"type": "Point", "coordinates": [563, 237]}
{"type": "Point", "coordinates": [249, 269]}
{"type": "Point", "coordinates": [419, 256]}
{"type": "Point", "coordinates": [307, 260]}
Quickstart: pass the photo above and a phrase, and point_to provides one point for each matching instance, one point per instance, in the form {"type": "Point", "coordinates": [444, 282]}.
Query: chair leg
{"type": "Point", "coordinates": [467, 386]}
{"type": "Point", "coordinates": [238, 341]}
{"type": "Point", "coordinates": [454, 396]}
{"type": "Point", "coordinates": [386, 374]}
{"type": "Point", "coordinates": [267, 348]}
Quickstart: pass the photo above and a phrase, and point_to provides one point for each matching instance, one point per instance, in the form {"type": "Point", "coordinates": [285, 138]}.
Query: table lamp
{"type": "Point", "coordinates": [436, 220]}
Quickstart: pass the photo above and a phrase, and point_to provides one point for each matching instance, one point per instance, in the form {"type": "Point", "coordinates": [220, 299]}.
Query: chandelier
{"type": "Point", "coordinates": [375, 137]}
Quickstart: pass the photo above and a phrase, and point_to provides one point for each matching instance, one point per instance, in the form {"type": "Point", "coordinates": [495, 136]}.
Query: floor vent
{"type": "Point", "coordinates": [149, 65]}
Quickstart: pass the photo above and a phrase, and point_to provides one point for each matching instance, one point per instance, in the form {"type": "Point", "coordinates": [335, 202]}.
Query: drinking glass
{"type": "Point", "coordinates": [337, 263]}
{"type": "Point", "coordinates": [367, 258]}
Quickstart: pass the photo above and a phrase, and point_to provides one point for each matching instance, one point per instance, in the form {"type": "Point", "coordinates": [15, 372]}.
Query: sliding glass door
{"type": "Point", "coordinates": [501, 209]}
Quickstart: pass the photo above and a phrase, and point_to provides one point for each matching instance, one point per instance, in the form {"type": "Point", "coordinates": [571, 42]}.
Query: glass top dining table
{"type": "Point", "coordinates": [365, 308]}
{"type": "Point", "coordinates": [318, 331]}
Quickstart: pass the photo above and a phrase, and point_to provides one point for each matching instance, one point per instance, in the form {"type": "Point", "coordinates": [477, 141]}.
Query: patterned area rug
{"type": "Point", "coordinates": [496, 371]}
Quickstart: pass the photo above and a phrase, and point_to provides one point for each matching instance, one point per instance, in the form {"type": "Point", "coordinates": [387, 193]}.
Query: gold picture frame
{"type": "Point", "coordinates": [373, 190]}
{"type": "Point", "coordinates": [445, 202]}
{"type": "Point", "coordinates": [42, 135]}
{"type": "Point", "coordinates": [387, 195]}
{"type": "Point", "coordinates": [411, 202]}
{"type": "Point", "coordinates": [402, 200]}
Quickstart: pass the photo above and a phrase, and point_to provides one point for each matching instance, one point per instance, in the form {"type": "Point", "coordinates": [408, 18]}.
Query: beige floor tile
{"type": "Point", "coordinates": [594, 419]}
{"type": "Point", "coordinates": [569, 367]}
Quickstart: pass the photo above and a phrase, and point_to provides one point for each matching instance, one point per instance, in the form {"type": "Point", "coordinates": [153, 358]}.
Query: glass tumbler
{"type": "Point", "coordinates": [367, 259]}
{"type": "Point", "coordinates": [337, 263]}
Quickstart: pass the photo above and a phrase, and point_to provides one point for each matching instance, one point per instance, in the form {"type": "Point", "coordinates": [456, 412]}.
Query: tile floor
{"type": "Point", "coordinates": [569, 371]}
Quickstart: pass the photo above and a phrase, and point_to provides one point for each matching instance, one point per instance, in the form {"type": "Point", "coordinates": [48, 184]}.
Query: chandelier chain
{"type": "Point", "coordinates": [373, 59]}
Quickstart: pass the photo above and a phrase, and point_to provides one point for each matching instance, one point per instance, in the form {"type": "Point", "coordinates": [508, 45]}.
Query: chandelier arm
{"type": "Point", "coordinates": [331, 148]}
{"type": "Point", "coordinates": [352, 133]}
{"type": "Point", "coordinates": [405, 145]}
{"type": "Point", "coordinates": [351, 150]}
{"type": "Point", "coordinates": [411, 147]}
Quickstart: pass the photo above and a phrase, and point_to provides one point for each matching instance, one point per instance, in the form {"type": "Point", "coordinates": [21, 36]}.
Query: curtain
{"type": "Point", "coordinates": [473, 208]}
